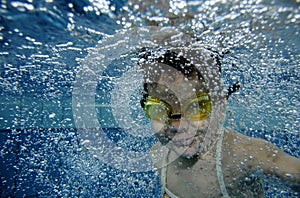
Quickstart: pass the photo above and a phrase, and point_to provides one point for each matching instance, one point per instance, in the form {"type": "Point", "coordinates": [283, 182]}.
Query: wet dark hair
{"type": "Point", "coordinates": [178, 62]}
{"type": "Point", "coordinates": [172, 59]}
{"type": "Point", "coordinates": [169, 58]}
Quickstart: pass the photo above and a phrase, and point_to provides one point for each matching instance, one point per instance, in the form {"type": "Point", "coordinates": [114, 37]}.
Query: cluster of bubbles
{"type": "Point", "coordinates": [44, 42]}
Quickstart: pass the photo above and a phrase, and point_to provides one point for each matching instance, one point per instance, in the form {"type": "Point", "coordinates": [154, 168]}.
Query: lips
{"type": "Point", "coordinates": [180, 142]}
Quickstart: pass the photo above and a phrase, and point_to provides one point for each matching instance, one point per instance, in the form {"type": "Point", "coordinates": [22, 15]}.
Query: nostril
{"type": "Point", "coordinates": [164, 139]}
{"type": "Point", "coordinates": [170, 130]}
{"type": "Point", "coordinates": [173, 130]}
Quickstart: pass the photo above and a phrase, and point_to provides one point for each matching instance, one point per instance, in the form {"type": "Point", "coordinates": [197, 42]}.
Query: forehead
{"type": "Point", "coordinates": [169, 84]}
{"type": "Point", "coordinates": [162, 71]}
{"type": "Point", "coordinates": [175, 88]}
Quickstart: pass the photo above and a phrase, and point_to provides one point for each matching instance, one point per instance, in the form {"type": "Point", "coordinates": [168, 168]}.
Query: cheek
{"type": "Point", "coordinates": [157, 126]}
{"type": "Point", "coordinates": [200, 124]}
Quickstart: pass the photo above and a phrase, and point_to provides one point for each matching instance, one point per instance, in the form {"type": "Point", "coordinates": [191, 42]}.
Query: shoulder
{"type": "Point", "coordinates": [241, 148]}
{"type": "Point", "coordinates": [236, 140]}
{"type": "Point", "coordinates": [253, 150]}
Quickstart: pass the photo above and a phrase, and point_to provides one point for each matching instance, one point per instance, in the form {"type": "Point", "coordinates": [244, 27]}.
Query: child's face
{"type": "Point", "coordinates": [183, 135]}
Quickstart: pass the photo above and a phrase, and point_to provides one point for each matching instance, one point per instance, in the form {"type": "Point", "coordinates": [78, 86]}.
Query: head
{"type": "Point", "coordinates": [179, 98]}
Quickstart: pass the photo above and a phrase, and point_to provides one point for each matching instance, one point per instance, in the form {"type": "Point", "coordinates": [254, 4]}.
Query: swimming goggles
{"type": "Point", "coordinates": [194, 109]}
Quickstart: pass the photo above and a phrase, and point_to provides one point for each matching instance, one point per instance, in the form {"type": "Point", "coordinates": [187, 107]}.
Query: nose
{"type": "Point", "coordinates": [175, 123]}
{"type": "Point", "coordinates": [180, 124]}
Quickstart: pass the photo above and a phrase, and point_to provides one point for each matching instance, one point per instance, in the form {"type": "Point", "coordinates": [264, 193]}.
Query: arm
{"type": "Point", "coordinates": [274, 161]}
{"type": "Point", "coordinates": [248, 153]}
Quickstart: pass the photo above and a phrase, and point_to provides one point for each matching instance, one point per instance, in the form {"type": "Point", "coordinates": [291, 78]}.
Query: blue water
{"type": "Point", "coordinates": [41, 45]}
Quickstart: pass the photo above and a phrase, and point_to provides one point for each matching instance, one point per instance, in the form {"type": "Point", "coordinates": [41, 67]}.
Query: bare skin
{"type": "Point", "coordinates": [193, 174]}
{"type": "Point", "coordinates": [243, 154]}
{"type": "Point", "coordinates": [197, 177]}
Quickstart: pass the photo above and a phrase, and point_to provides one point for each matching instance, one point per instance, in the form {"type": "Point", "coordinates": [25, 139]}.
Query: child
{"type": "Point", "coordinates": [196, 157]}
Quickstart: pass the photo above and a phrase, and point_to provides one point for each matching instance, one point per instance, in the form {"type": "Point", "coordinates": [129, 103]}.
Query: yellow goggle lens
{"type": "Point", "coordinates": [157, 109]}
{"type": "Point", "coordinates": [198, 108]}
{"type": "Point", "coordinates": [195, 109]}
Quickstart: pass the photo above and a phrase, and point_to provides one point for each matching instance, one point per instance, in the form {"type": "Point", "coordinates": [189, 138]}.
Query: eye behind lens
{"type": "Point", "coordinates": [157, 109]}
{"type": "Point", "coordinates": [198, 108]}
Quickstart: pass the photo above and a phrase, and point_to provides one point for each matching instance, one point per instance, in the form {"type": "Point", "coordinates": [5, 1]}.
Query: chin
{"type": "Point", "coordinates": [189, 153]}
{"type": "Point", "coordinates": [185, 152]}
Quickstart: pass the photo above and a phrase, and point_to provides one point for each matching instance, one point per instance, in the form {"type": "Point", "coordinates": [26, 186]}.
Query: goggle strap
{"type": "Point", "coordinates": [176, 116]}
{"type": "Point", "coordinates": [235, 87]}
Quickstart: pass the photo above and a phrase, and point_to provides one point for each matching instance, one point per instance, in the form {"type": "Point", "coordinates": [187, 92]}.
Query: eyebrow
{"type": "Point", "coordinates": [161, 90]}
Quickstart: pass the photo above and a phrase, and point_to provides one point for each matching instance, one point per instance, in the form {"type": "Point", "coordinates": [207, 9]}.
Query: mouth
{"type": "Point", "coordinates": [181, 139]}
{"type": "Point", "coordinates": [187, 145]}
{"type": "Point", "coordinates": [183, 142]}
